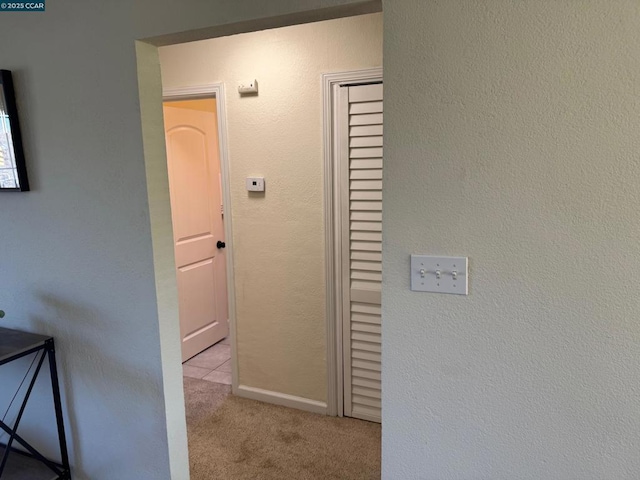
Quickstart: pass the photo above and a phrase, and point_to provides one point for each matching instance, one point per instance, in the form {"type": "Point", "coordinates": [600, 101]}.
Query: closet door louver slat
{"type": "Point", "coordinates": [362, 142]}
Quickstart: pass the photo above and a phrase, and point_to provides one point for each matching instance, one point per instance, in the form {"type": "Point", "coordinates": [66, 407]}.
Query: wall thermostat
{"type": "Point", "coordinates": [248, 87]}
{"type": "Point", "coordinates": [255, 184]}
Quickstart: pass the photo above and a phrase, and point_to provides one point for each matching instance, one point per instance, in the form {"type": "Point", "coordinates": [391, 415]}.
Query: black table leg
{"type": "Point", "coordinates": [12, 436]}
{"type": "Point", "coordinates": [13, 346]}
{"type": "Point", "coordinates": [55, 387]}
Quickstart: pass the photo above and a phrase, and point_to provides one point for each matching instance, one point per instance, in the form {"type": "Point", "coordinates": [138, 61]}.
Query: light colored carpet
{"type": "Point", "coordinates": [233, 438]}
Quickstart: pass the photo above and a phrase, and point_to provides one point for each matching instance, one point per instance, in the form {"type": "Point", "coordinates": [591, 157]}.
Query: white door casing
{"type": "Point", "coordinates": [196, 204]}
{"type": "Point", "coordinates": [334, 183]}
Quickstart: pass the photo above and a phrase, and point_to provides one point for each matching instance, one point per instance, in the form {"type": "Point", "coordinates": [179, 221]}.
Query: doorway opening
{"type": "Point", "coordinates": [194, 165]}
{"type": "Point", "coordinates": [353, 131]}
{"type": "Point", "coordinates": [279, 317]}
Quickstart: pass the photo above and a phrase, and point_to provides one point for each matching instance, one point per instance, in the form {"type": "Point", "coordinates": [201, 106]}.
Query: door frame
{"type": "Point", "coordinates": [333, 185]}
{"type": "Point", "coordinates": [217, 91]}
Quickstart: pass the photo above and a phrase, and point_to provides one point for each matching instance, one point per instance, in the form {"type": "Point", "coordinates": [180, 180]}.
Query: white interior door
{"type": "Point", "coordinates": [360, 137]}
{"type": "Point", "coordinates": [196, 208]}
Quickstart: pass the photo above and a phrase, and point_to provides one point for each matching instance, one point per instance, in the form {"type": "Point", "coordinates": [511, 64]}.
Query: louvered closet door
{"type": "Point", "coordinates": [361, 201]}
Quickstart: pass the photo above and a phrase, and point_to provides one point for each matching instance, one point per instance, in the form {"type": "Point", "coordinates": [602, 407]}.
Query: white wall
{"type": "Point", "coordinates": [278, 237]}
{"type": "Point", "coordinates": [76, 258]}
{"type": "Point", "coordinates": [520, 150]}
{"type": "Point", "coordinates": [531, 106]}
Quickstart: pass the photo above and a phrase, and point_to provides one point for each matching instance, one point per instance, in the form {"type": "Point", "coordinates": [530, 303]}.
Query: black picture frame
{"type": "Point", "coordinates": [13, 169]}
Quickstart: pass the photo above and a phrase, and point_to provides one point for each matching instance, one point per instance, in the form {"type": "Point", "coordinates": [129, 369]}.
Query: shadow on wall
{"type": "Point", "coordinates": [97, 370]}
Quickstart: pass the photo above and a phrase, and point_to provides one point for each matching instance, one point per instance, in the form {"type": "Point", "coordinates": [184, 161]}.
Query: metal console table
{"type": "Point", "coordinates": [28, 463]}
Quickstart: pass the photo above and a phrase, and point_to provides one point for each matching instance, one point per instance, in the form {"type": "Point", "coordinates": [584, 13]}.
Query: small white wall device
{"type": "Point", "coordinates": [440, 274]}
{"type": "Point", "coordinates": [248, 87]}
{"type": "Point", "coordinates": [255, 184]}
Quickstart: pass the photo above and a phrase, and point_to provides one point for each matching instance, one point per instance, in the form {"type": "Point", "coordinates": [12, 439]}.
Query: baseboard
{"type": "Point", "coordinates": [283, 399]}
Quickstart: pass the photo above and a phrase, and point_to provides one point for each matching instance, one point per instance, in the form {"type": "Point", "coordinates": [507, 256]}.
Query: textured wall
{"type": "Point", "coordinates": [519, 148]}
{"type": "Point", "coordinates": [529, 107]}
{"type": "Point", "coordinates": [279, 236]}
{"type": "Point", "coordinates": [75, 253]}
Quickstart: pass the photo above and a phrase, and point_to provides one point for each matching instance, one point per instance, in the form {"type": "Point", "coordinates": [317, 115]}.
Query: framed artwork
{"type": "Point", "coordinates": [13, 172]}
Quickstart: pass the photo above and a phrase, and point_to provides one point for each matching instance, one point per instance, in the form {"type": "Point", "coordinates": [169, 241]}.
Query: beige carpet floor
{"type": "Point", "coordinates": [234, 438]}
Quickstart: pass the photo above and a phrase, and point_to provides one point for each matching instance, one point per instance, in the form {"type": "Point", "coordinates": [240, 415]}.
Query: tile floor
{"type": "Point", "coordinates": [213, 364]}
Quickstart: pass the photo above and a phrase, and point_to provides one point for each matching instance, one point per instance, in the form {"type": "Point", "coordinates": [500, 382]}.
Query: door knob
{"type": "Point", "coordinates": [221, 244]}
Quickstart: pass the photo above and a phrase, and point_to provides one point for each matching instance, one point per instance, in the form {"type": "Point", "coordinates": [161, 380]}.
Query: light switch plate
{"type": "Point", "coordinates": [439, 274]}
